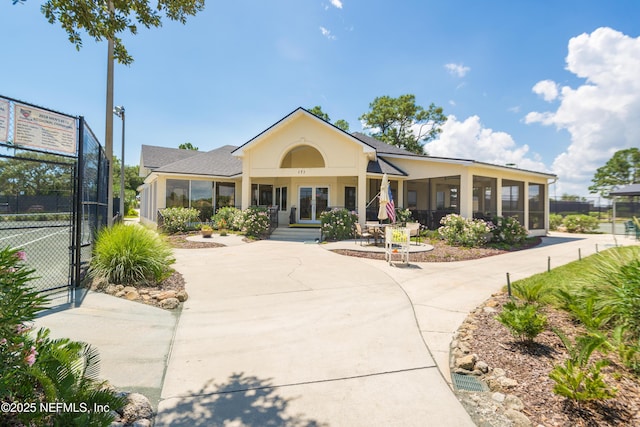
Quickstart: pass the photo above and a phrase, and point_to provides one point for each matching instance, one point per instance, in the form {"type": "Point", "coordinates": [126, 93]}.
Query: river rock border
{"type": "Point", "coordinates": [167, 299]}
{"type": "Point", "coordinates": [497, 407]}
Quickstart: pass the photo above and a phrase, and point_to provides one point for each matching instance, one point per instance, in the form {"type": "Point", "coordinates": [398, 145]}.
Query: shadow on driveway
{"type": "Point", "coordinates": [557, 240]}
{"type": "Point", "coordinates": [242, 400]}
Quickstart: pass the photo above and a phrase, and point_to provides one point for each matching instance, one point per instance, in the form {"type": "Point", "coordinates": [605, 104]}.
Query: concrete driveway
{"type": "Point", "coordinates": [290, 334]}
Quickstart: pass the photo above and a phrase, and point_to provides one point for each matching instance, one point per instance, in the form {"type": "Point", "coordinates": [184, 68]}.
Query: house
{"type": "Point", "coordinates": [302, 165]}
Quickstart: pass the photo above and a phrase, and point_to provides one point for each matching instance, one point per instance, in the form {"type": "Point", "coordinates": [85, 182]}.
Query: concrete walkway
{"type": "Point", "coordinates": [290, 334]}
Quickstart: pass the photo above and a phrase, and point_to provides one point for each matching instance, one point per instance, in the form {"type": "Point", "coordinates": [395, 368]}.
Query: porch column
{"type": "Point", "coordinates": [246, 191]}
{"type": "Point", "coordinates": [401, 194]}
{"type": "Point", "coordinates": [362, 197]}
{"type": "Point", "coordinates": [526, 205]}
{"type": "Point", "coordinates": [499, 196]}
{"type": "Point", "coordinates": [465, 198]}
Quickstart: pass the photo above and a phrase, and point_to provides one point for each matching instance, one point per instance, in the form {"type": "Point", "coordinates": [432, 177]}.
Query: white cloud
{"type": "Point", "coordinates": [327, 33]}
{"type": "Point", "coordinates": [468, 139]}
{"type": "Point", "coordinates": [336, 3]}
{"type": "Point", "coordinates": [547, 89]}
{"type": "Point", "coordinates": [602, 115]}
{"type": "Point", "coordinates": [457, 69]}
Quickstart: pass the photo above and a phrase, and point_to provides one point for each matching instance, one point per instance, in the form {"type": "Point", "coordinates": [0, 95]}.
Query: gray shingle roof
{"type": "Point", "coordinates": [383, 166]}
{"type": "Point", "coordinates": [382, 147]}
{"type": "Point", "coordinates": [629, 190]}
{"type": "Point", "coordinates": [153, 157]}
{"type": "Point", "coordinates": [217, 162]}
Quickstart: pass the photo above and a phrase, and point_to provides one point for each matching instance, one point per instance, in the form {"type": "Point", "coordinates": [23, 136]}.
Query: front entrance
{"type": "Point", "coordinates": [312, 201]}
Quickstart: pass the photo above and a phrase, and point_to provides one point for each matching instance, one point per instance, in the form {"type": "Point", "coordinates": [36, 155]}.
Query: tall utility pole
{"type": "Point", "coordinates": [108, 132]}
{"type": "Point", "coordinates": [119, 111]}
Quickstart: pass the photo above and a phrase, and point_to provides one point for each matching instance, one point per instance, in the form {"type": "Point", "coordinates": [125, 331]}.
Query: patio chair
{"type": "Point", "coordinates": [414, 231]}
{"type": "Point", "coordinates": [362, 234]}
{"type": "Point", "coordinates": [629, 227]}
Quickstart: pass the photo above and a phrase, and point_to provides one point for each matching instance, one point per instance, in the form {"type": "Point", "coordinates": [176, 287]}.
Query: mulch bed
{"type": "Point", "coordinates": [444, 253]}
{"type": "Point", "coordinates": [530, 366]}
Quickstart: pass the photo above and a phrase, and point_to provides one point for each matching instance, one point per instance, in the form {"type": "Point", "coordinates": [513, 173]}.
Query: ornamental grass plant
{"type": "Point", "coordinates": [131, 255]}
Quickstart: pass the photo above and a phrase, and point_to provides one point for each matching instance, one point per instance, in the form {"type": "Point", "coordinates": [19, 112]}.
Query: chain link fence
{"type": "Point", "coordinates": [52, 202]}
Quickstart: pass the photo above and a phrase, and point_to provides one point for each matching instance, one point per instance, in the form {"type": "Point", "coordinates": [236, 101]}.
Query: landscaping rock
{"type": "Point", "coordinates": [182, 295]}
{"type": "Point", "coordinates": [132, 295]}
{"type": "Point", "coordinates": [137, 407]}
{"type": "Point", "coordinates": [165, 295]}
{"type": "Point", "coordinates": [482, 367]}
{"type": "Point", "coordinates": [513, 402]}
{"type": "Point", "coordinates": [466, 362]}
{"type": "Point", "coordinates": [137, 412]}
{"type": "Point", "coordinates": [518, 418]}
{"type": "Point", "coordinates": [498, 397]}
{"type": "Point", "coordinates": [169, 303]}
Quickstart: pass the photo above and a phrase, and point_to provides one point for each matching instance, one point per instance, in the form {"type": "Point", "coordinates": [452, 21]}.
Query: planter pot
{"type": "Point", "coordinates": [206, 233]}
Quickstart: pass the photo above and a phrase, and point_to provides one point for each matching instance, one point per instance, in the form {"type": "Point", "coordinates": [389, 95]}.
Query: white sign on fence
{"type": "Point", "coordinates": [4, 120]}
{"type": "Point", "coordinates": [34, 127]}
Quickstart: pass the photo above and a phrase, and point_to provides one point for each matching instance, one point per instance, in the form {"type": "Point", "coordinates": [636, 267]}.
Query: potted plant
{"type": "Point", "coordinates": [206, 230]}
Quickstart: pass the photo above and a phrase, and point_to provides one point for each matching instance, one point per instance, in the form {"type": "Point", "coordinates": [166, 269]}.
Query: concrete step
{"type": "Point", "coordinates": [290, 234]}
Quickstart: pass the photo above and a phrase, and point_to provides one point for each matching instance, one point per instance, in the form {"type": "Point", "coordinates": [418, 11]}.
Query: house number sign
{"type": "Point", "coordinates": [302, 171]}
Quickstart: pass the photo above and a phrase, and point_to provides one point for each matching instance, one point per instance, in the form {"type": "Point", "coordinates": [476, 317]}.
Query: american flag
{"type": "Point", "coordinates": [391, 208]}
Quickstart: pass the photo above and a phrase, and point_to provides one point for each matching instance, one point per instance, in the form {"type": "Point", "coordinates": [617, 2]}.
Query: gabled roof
{"type": "Point", "coordinates": [153, 157]}
{"type": "Point", "coordinates": [217, 162]}
{"type": "Point", "coordinates": [292, 116]}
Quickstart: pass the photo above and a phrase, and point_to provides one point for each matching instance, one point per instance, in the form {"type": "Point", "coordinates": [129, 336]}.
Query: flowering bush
{"type": "Point", "coordinates": [178, 220]}
{"type": "Point", "coordinates": [459, 231]}
{"type": "Point", "coordinates": [580, 223]}
{"type": "Point", "coordinates": [256, 222]}
{"type": "Point", "coordinates": [38, 369]}
{"type": "Point", "coordinates": [507, 230]}
{"type": "Point", "coordinates": [403, 216]}
{"type": "Point", "coordinates": [555, 221]}
{"type": "Point", "coordinates": [233, 218]}
{"type": "Point", "coordinates": [338, 224]}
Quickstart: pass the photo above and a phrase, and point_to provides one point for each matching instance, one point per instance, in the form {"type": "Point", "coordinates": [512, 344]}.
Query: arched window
{"type": "Point", "coordinates": [303, 156]}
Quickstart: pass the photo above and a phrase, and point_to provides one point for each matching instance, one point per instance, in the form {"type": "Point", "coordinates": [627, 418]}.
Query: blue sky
{"type": "Point", "coordinates": [548, 85]}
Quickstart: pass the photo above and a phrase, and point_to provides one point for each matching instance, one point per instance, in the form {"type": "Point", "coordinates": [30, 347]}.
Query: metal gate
{"type": "Point", "coordinates": [53, 191]}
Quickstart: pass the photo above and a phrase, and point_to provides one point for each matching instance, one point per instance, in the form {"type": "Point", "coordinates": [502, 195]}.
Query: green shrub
{"type": "Point", "coordinates": [523, 321]}
{"type": "Point", "coordinates": [581, 383]}
{"type": "Point", "coordinates": [507, 230]}
{"type": "Point", "coordinates": [578, 379]}
{"type": "Point", "coordinates": [580, 223]}
{"type": "Point", "coordinates": [179, 220]}
{"type": "Point", "coordinates": [555, 221]}
{"type": "Point", "coordinates": [459, 231]}
{"type": "Point", "coordinates": [256, 222]}
{"type": "Point", "coordinates": [615, 282]}
{"type": "Point", "coordinates": [533, 292]}
{"type": "Point", "coordinates": [338, 224]}
{"type": "Point", "coordinates": [228, 217]}
{"type": "Point", "coordinates": [37, 369]}
{"type": "Point", "coordinates": [130, 255]}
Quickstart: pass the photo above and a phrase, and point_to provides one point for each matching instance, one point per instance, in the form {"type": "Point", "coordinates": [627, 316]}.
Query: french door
{"type": "Point", "coordinates": [312, 202]}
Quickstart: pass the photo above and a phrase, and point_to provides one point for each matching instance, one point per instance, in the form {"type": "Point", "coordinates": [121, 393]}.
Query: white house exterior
{"type": "Point", "coordinates": [302, 165]}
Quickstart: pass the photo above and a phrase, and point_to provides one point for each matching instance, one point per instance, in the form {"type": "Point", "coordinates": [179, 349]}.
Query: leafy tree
{"type": "Point", "coordinates": [400, 122]}
{"type": "Point", "coordinates": [42, 174]}
{"type": "Point", "coordinates": [342, 124]}
{"type": "Point", "coordinates": [187, 146]}
{"type": "Point", "coordinates": [621, 169]}
{"type": "Point", "coordinates": [104, 20]}
{"type": "Point", "coordinates": [317, 111]}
